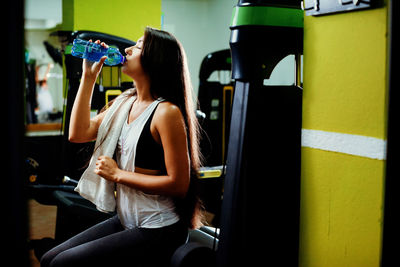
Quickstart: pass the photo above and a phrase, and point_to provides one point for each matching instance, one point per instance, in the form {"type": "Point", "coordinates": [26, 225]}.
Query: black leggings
{"type": "Point", "coordinates": [109, 244]}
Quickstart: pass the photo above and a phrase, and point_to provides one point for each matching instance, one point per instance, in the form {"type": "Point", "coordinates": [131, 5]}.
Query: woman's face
{"type": "Point", "coordinates": [132, 66]}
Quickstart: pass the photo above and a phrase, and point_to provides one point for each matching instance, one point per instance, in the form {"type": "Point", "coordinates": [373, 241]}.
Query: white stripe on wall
{"type": "Point", "coordinates": [358, 145]}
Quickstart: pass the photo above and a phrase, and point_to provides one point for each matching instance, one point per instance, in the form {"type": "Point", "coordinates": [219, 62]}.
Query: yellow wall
{"type": "Point", "coordinates": [345, 72]}
{"type": "Point", "coordinates": [123, 18]}
{"type": "Point", "coordinates": [345, 91]}
{"type": "Point", "coordinates": [341, 210]}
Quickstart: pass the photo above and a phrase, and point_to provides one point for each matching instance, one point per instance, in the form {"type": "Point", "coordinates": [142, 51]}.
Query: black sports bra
{"type": "Point", "coordinates": [149, 153]}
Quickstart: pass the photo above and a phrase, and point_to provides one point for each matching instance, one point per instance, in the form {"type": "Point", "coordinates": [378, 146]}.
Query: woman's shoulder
{"type": "Point", "coordinates": [166, 108]}
{"type": "Point", "coordinates": [168, 112]}
{"type": "Point", "coordinates": [169, 123]}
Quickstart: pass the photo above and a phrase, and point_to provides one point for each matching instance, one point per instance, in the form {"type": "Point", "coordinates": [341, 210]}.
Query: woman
{"type": "Point", "coordinates": [155, 200]}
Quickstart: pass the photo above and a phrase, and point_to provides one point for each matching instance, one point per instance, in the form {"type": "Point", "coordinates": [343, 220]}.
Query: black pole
{"type": "Point", "coordinates": [14, 225]}
{"type": "Point", "coordinates": [392, 197]}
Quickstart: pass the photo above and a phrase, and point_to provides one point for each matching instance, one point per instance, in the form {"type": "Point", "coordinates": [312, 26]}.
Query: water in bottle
{"type": "Point", "coordinates": [94, 52]}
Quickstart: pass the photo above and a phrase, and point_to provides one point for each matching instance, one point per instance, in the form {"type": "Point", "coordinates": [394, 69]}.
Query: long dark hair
{"type": "Point", "coordinates": [164, 60]}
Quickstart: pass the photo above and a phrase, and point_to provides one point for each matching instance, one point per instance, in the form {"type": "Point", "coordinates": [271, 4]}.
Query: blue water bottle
{"type": "Point", "coordinates": [94, 52]}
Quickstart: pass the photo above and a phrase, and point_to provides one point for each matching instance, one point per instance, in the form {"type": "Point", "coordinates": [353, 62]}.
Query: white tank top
{"type": "Point", "coordinates": [134, 207]}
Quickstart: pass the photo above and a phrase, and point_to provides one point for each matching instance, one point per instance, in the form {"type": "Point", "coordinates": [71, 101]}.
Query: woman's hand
{"type": "Point", "coordinates": [92, 69]}
{"type": "Point", "coordinates": [107, 168]}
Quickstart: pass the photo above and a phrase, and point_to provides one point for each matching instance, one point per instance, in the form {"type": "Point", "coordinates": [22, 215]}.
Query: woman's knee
{"type": "Point", "coordinates": [77, 258]}
{"type": "Point", "coordinates": [58, 252]}
{"type": "Point", "coordinates": [61, 259]}
{"type": "Point", "coordinates": [47, 258]}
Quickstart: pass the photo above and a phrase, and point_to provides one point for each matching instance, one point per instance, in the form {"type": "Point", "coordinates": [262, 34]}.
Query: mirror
{"type": "Point", "coordinates": [43, 66]}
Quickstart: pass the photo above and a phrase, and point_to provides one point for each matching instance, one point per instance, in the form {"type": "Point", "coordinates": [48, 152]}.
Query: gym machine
{"type": "Point", "coordinates": [261, 200]}
{"type": "Point", "coordinates": [215, 101]}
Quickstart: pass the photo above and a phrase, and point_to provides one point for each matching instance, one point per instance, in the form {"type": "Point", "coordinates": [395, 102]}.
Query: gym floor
{"type": "Point", "coordinates": [42, 223]}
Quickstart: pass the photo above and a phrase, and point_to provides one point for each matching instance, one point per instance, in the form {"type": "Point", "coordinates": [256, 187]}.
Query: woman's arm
{"type": "Point", "coordinates": [171, 128]}
{"type": "Point", "coordinates": [81, 127]}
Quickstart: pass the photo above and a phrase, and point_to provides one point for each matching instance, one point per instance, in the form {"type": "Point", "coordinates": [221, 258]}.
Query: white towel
{"type": "Point", "coordinates": [92, 186]}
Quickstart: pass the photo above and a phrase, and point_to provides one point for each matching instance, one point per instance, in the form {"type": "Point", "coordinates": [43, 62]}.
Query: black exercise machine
{"type": "Point", "coordinates": [261, 201]}
{"type": "Point", "coordinates": [215, 98]}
